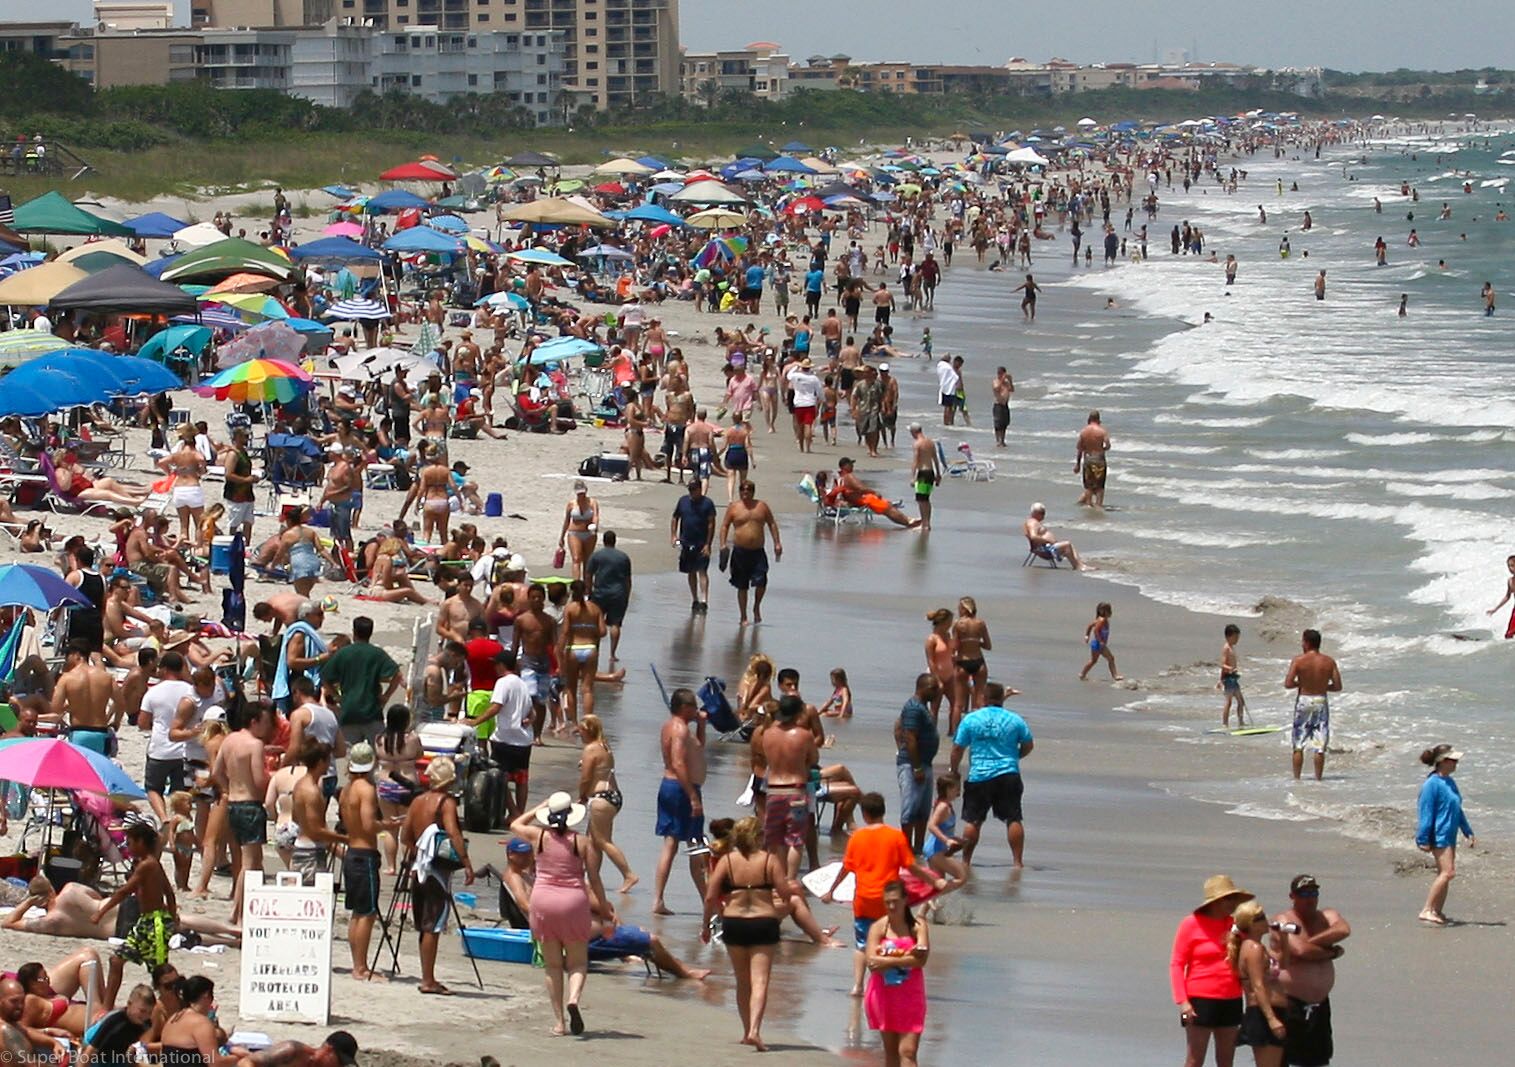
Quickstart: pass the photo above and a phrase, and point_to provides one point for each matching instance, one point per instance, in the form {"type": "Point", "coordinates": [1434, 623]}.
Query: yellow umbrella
{"type": "Point", "coordinates": [477, 244]}
{"type": "Point", "coordinates": [716, 218]}
{"type": "Point", "coordinates": [38, 285]}
{"type": "Point", "coordinates": [623, 166]}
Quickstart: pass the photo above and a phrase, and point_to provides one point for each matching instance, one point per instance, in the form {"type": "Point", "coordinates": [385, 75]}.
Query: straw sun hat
{"type": "Point", "coordinates": [561, 811]}
{"type": "Point", "coordinates": [1219, 887]}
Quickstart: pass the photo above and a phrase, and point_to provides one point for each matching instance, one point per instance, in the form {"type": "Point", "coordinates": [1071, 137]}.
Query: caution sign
{"type": "Point", "coordinates": [286, 949]}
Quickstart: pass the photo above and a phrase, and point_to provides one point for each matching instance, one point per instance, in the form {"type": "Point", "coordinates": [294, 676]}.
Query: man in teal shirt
{"type": "Point", "coordinates": [996, 740]}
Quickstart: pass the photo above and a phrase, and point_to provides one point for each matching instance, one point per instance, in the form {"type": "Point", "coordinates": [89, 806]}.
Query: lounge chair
{"type": "Point", "coordinates": [965, 466]}
{"type": "Point", "coordinates": [62, 502]}
{"type": "Point", "coordinates": [1045, 553]}
{"type": "Point", "coordinates": [832, 513]}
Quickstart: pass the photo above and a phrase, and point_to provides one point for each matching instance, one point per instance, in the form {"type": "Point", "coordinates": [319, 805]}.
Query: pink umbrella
{"type": "Point", "coordinates": [344, 229]}
{"type": "Point", "coordinates": [51, 763]}
{"type": "Point", "coordinates": [659, 230]}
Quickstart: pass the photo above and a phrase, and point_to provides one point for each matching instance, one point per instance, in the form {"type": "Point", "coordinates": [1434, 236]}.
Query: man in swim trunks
{"type": "Point", "coordinates": [1002, 387]}
{"type": "Point", "coordinates": [1043, 543]}
{"type": "Point", "coordinates": [1313, 676]}
{"type": "Point", "coordinates": [928, 471]}
{"type": "Point", "coordinates": [157, 911]}
{"type": "Point", "coordinates": [1093, 444]}
{"type": "Point", "coordinates": [83, 692]}
{"type": "Point", "coordinates": [681, 812]}
{"type": "Point", "coordinates": [747, 520]}
{"type": "Point", "coordinates": [789, 751]}
{"type": "Point", "coordinates": [856, 492]}
{"type": "Point", "coordinates": [241, 773]}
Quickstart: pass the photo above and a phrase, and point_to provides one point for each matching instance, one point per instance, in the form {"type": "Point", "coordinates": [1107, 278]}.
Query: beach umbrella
{"type": "Point", "coordinates": [258, 380]}
{"type": "Point", "coordinates": [394, 200]}
{"type": "Point", "coordinates": [665, 188]}
{"type": "Point", "coordinates": [552, 209]}
{"type": "Point", "coordinates": [423, 239]}
{"type": "Point", "coordinates": [607, 251]}
{"type": "Point", "coordinates": [668, 176]}
{"type": "Point", "coordinates": [654, 214]}
{"type": "Point", "coordinates": [804, 205]}
{"type": "Point", "coordinates": [108, 253]}
{"type": "Point", "coordinates": [720, 250]}
{"type": "Point", "coordinates": [216, 317]}
{"type": "Point", "coordinates": [251, 307]}
{"type": "Point", "coordinates": [426, 169]}
{"type": "Point", "coordinates": [531, 159]}
{"type": "Point", "coordinates": [562, 348]}
{"type": "Point", "coordinates": [37, 286]}
{"type": "Point", "coordinates": [787, 165]}
{"type": "Point", "coordinates": [610, 189]}
{"type": "Point", "coordinates": [716, 218]}
{"type": "Point", "coordinates": [227, 256]}
{"type": "Point", "coordinates": [624, 166]}
{"type": "Point", "coordinates": [99, 369]}
{"type": "Point", "coordinates": [53, 763]}
{"type": "Point", "coordinates": [344, 229]}
{"type": "Point", "coordinates": [155, 224]}
{"type": "Point", "coordinates": [708, 192]}
{"type": "Point", "coordinates": [30, 586]}
{"type": "Point", "coordinates": [269, 340]}
{"type": "Point", "coordinates": [335, 250]}
{"type": "Point", "coordinates": [498, 173]}
{"type": "Point", "coordinates": [24, 387]}
{"type": "Point", "coordinates": [447, 224]}
{"type": "Point", "coordinates": [359, 309]}
{"type": "Point", "coordinates": [244, 283]}
{"type": "Point", "coordinates": [144, 377]}
{"type": "Point", "coordinates": [514, 301]}
{"type": "Point", "coordinates": [18, 346]}
{"type": "Point", "coordinates": [539, 256]}
{"type": "Point", "coordinates": [480, 244]}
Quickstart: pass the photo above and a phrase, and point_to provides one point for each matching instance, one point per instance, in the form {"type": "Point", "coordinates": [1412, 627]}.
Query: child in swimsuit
{"type": "Point", "coordinates": [840, 704]}
{"type": "Point", "coordinates": [942, 841]}
{"type": "Point", "coordinates": [1097, 633]}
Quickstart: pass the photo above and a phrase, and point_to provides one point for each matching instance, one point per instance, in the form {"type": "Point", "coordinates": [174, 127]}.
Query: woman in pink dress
{"type": "Point", "coordinates": [898, 945]}
{"type": "Point", "coordinates": [560, 901]}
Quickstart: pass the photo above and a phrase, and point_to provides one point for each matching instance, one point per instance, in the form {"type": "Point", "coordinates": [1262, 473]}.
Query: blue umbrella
{"type": "Point", "coordinates": [334, 250]}
{"type": "Point", "coordinates": [341, 192]}
{"type": "Point", "coordinates": [87, 364]}
{"type": "Point", "coordinates": [145, 376]}
{"type": "Point", "coordinates": [26, 585]}
{"type": "Point", "coordinates": [562, 348]}
{"type": "Point", "coordinates": [654, 214]}
{"type": "Point", "coordinates": [394, 200]}
{"type": "Point", "coordinates": [160, 344]}
{"type": "Point", "coordinates": [423, 239]}
{"type": "Point", "coordinates": [307, 326]}
{"type": "Point", "coordinates": [156, 267]}
{"type": "Point", "coordinates": [447, 224]}
{"type": "Point", "coordinates": [57, 389]}
{"type": "Point", "coordinates": [515, 300]}
{"type": "Point", "coordinates": [788, 165]}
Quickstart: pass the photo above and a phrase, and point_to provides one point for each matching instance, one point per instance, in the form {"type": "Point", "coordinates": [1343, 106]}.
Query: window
{"type": "Point", "coordinates": [473, 42]}
{"type": "Point", "coordinates": [483, 18]}
{"type": "Point", "coordinates": [473, 79]}
{"type": "Point", "coordinates": [400, 41]}
{"type": "Point", "coordinates": [591, 32]}
{"type": "Point", "coordinates": [541, 60]}
{"type": "Point", "coordinates": [590, 16]}
{"type": "Point", "coordinates": [591, 66]}
{"type": "Point", "coordinates": [541, 79]}
{"type": "Point", "coordinates": [592, 48]}
{"type": "Point", "coordinates": [415, 81]}
{"type": "Point", "coordinates": [593, 83]}
{"type": "Point", "coordinates": [180, 53]}
{"type": "Point", "coordinates": [510, 16]}
{"type": "Point", "coordinates": [511, 40]}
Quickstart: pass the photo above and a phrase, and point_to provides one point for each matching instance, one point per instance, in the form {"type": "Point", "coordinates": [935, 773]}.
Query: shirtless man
{"type": "Point", "coordinates": [1040, 538]}
{"type": "Point", "coordinates": [466, 359]}
{"type": "Point", "coordinates": [131, 689]}
{"type": "Point", "coordinates": [535, 633]}
{"type": "Point", "coordinates": [444, 684]}
{"type": "Point", "coordinates": [1093, 444]}
{"type": "Point", "coordinates": [342, 481]}
{"type": "Point", "coordinates": [889, 406]}
{"type": "Point", "coordinates": [1002, 388]}
{"type": "Point", "coordinates": [1312, 675]}
{"type": "Point", "coordinates": [15, 1044]}
{"type": "Point", "coordinates": [241, 775]}
{"type": "Point", "coordinates": [858, 493]}
{"type": "Point", "coordinates": [279, 609]}
{"type": "Point", "coordinates": [358, 808]}
{"type": "Point", "coordinates": [340, 1049]}
{"type": "Point", "coordinates": [699, 446]}
{"type": "Point", "coordinates": [1310, 974]}
{"type": "Point", "coordinates": [681, 812]}
{"type": "Point", "coordinates": [743, 530]}
{"type": "Point", "coordinates": [459, 611]}
{"type": "Point", "coordinates": [675, 424]}
{"type": "Point", "coordinates": [82, 694]}
{"type": "Point", "coordinates": [70, 912]}
{"type": "Point", "coordinates": [789, 750]}
{"type": "Point", "coordinates": [926, 469]}
{"type": "Point", "coordinates": [151, 563]}
{"type": "Point", "coordinates": [308, 810]}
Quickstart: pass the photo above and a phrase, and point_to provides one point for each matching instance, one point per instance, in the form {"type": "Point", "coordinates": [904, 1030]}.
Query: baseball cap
{"type": "Point", "coordinates": [214, 713]}
{"type": "Point", "coordinates": [345, 1046]}
{"type": "Point", "coordinates": [883, 368]}
{"type": "Point", "coordinates": [360, 760]}
{"type": "Point", "coordinates": [1303, 882]}
{"type": "Point", "coordinates": [518, 845]}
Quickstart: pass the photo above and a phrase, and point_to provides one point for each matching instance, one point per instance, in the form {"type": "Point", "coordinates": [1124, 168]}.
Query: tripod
{"type": "Point", "coordinates": [391, 929]}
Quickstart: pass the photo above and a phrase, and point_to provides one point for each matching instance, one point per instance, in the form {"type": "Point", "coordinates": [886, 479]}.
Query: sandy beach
{"type": "Point", "coordinates": [1065, 961]}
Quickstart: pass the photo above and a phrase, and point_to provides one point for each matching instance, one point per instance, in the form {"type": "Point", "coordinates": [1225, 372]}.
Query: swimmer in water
{"type": "Point", "coordinates": [1404, 304]}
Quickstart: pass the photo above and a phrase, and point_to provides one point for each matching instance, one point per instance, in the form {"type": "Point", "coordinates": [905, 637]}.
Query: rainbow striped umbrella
{"type": "Point", "coordinates": [720, 249]}
{"type": "Point", "coordinates": [260, 380]}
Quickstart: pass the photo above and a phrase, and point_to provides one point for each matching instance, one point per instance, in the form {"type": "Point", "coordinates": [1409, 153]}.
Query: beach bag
{"type": "Point", "coordinates": [558, 559]}
{"type": "Point", "coordinates": [590, 467]}
{"type": "Point", "coordinates": [717, 709]}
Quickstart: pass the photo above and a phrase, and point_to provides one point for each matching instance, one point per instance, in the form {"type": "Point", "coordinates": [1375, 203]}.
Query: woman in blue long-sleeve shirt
{"type": "Point", "coordinates": [1441, 819]}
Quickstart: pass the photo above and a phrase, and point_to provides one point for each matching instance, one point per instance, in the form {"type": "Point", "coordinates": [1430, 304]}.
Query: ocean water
{"type": "Point", "coordinates": [1297, 462]}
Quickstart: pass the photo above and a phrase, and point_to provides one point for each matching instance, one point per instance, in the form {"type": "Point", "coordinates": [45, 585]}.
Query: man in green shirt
{"type": "Point", "coordinates": [353, 675]}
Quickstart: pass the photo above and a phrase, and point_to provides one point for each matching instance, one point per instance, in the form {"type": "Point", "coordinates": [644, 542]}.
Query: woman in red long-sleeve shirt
{"type": "Point", "coordinates": [1205, 988]}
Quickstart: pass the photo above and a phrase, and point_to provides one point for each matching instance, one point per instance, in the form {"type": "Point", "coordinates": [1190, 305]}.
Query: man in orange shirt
{"type": "Point", "coordinates": [876, 853]}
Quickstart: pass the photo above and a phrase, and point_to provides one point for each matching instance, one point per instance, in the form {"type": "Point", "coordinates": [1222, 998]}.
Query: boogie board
{"type": "Point", "coordinates": [820, 879]}
{"type": "Point", "coordinates": [1246, 731]}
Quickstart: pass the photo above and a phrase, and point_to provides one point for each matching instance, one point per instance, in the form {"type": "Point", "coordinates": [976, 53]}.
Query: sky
{"type": "Point", "coordinates": [1344, 34]}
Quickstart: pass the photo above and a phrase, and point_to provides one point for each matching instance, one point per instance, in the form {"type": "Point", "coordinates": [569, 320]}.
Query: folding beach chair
{"type": "Point", "coordinates": [61, 502]}
{"type": "Point", "coordinates": [1045, 553]}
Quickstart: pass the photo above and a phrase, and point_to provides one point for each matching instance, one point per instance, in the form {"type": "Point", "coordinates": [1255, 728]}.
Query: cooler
{"type": "Point", "coordinates": [220, 555]}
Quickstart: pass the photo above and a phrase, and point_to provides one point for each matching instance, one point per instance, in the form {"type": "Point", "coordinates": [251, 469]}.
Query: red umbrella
{"type": "Point", "coordinates": [699, 176]}
{"type": "Point", "coordinates": [422, 170]}
{"type": "Point", "coordinates": [611, 189]}
{"type": "Point", "coordinates": [805, 205]}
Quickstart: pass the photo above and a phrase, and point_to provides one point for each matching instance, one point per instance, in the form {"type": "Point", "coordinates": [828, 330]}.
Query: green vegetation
{"type": "Point", "coordinates": [187, 139]}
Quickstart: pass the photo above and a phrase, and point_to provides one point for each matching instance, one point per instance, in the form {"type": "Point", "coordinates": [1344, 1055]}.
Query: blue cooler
{"type": "Point", "coordinates": [494, 506]}
{"type": "Point", "coordinates": [503, 945]}
{"type": "Point", "coordinates": [220, 555]}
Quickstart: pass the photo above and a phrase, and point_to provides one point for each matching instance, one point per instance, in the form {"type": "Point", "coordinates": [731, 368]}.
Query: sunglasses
{"type": "Point", "coordinates": [1307, 893]}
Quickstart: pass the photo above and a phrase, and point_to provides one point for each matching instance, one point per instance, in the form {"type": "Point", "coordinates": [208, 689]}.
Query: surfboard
{"type": "Point", "coordinates": [820, 879]}
{"type": "Point", "coordinates": [1246, 731]}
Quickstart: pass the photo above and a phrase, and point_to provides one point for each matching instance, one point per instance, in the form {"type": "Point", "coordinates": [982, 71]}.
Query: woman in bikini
{"type": "Point", "coordinates": [433, 489]}
{"type": "Point", "coordinates": [581, 524]}
{"type": "Point", "coordinates": [398, 779]}
{"type": "Point", "coordinates": [970, 635]}
{"type": "Point", "coordinates": [1258, 967]}
{"type": "Point", "coordinates": [601, 793]}
{"type": "Point", "coordinates": [739, 456]}
{"type": "Point", "coordinates": [192, 1037]}
{"type": "Point", "coordinates": [768, 391]}
{"type": "Point", "coordinates": [187, 467]}
{"type": "Point", "coordinates": [278, 801]}
{"type": "Point", "coordinates": [656, 342]}
{"type": "Point", "coordinates": [940, 646]}
{"type": "Point", "coordinates": [579, 636]}
{"type": "Point", "coordinates": [389, 573]}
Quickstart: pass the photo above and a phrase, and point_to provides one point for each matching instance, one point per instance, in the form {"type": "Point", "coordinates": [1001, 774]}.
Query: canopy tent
{"type": "Point", "coordinates": [624, 166]}
{"type": "Point", "coordinates": [231, 255]}
{"type": "Point", "coordinates": [52, 212]}
{"type": "Point", "coordinates": [756, 151]}
{"type": "Point", "coordinates": [796, 146]}
{"type": "Point", "coordinates": [787, 165]}
{"type": "Point", "coordinates": [554, 210]}
{"type": "Point", "coordinates": [155, 224]}
{"type": "Point", "coordinates": [820, 166]}
{"type": "Point", "coordinates": [395, 200]}
{"type": "Point", "coordinates": [335, 250]}
{"type": "Point", "coordinates": [652, 213]}
{"type": "Point", "coordinates": [125, 288]}
{"type": "Point", "coordinates": [422, 170]}
{"type": "Point", "coordinates": [708, 192]}
{"type": "Point", "coordinates": [1027, 157]}
{"type": "Point", "coordinates": [423, 239]}
{"type": "Point", "coordinates": [199, 235]}
{"type": "Point", "coordinates": [38, 285]}
{"type": "Point", "coordinates": [531, 159]}
{"type": "Point", "coordinates": [113, 248]}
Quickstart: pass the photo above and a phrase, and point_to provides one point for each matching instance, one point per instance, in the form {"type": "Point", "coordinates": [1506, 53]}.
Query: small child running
{"type": "Point", "coordinates": [1097, 633]}
{"type": "Point", "coordinates": [942, 842]}
{"type": "Point", "coordinates": [1230, 679]}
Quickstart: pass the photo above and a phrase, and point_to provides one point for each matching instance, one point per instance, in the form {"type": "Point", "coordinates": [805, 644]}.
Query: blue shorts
{"type": "Point", "coordinates": [860, 928]}
{"type": "Point", "coordinates": [676, 816]}
{"type": "Point", "coordinates": [623, 941]}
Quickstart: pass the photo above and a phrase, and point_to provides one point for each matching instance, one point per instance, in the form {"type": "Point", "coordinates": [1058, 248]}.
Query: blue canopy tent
{"type": "Point", "coordinates": [155, 224]}
{"type": "Point", "coordinates": [796, 146]}
{"type": "Point", "coordinates": [654, 214]}
{"type": "Point", "coordinates": [156, 267]}
{"type": "Point", "coordinates": [394, 200]}
{"type": "Point", "coordinates": [335, 250]}
{"type": "Point", "coordinates": [423, 239]}
{"type": "Point", "coordinates": [654, 162]}
{"type": "Point", "coordinates": [788, 165]}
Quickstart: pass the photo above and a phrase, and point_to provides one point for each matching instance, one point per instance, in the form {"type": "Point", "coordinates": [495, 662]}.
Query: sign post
{"type": "Point", "coordinates": [286, 948]}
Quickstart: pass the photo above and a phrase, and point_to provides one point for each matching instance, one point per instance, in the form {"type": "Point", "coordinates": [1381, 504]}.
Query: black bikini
{"type": "Point", "coordinates": [745, 931]}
